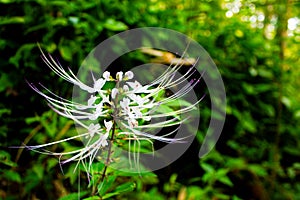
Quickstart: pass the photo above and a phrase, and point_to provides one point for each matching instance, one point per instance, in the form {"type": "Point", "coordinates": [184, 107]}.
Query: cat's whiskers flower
{"type": "Point", "coordinates": [131, 108]}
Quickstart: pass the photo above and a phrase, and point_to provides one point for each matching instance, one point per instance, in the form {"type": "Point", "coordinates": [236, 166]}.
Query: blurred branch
{"type": "Point", "coordinates": [167, 57]}
{"type": "Point", "coordinates": [27, 139]}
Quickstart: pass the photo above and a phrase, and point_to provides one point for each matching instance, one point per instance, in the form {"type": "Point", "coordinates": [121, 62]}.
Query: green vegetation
{"type": "Point", "coordinates": [255, 45]}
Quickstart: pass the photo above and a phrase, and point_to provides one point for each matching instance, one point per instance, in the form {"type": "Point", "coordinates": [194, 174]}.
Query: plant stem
{"type": "Point", "coordinates": [109, 151]}
{"type": "Point", "coordinates": [101, 179]}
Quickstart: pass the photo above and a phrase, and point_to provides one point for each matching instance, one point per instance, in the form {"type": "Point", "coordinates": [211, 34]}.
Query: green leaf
{"type": "Point", "coordinates": [23, 50]}
{"type": "Point", "coordinates": [236, 198]}
{"type": "Point", "coordinates": [92, 198]}
{"type": "Point", "coordinates": [225, 180]}
{"type": "Point", "coordinates": [73, 19]}
{"type": "Point", "coordinates": [208, 168]}
{"type": "Point", "coordinates": [164, 109]}
{"type": "Point", "coordinates": [51, 162]}
{"type": "Point", "coordinates": [221, 172]}
{"type": "Point", "coordinates": [126, 187]}
{"type": "Point", "coordinates": [286, 101]}
{"type": "Point", "coordinates": [39, 170]}
{"type": "Point", "coordinates": [248, 122]}
{"type": "Point", "coordinates": [74, 196]}
{"type": "Point", "coordinates": [207, 177]}
{"type": "Point", "coordinates": [178, 103]}
{"type": "Point", "coordinates": [5, 159]}
{"type": "Point", "coordinates": [265, 73]}
{"type": "Point", "coordinates": [258, 169]}
{"type": "Point", "coordinates": [11, 175]}
{"type": "Point", "coordinates": [66, 52]}
{"type": "Point", "coordinates": [98, 166]}
{"type": "Point", "coordinates": [5, 83]}
{"type": "Point", "coordinates": [4, 110]}
{"type": "Point", "coordinates": [296, 165]}
{"type": "Point", "coordinates": [297, 114]}
{"type": "Point", "coordinates": [30, 120]}
{"type": "Point", "coordinates": [59, 22]}
{"type": "Point", "coordinates": [249, 89]}
{"type": "Point", "coordinates": [31, 181]}
{"type": "Point", "coordinates": [235, 163]}
{"type": "Point", "coordinates": [222, 196]}
{"type": "Point", "coordinates": [51, 128]}
{"type": "Point", "coordinates": [113, 25]}
{"type": "Point", "coordinates": [12, 20]}
{"type": "Point", "coordinates": [106, 184]}
{"type": "Point", "coordinates": [71, 174]}
{"type": "Point", "coordinates": [7, 1]}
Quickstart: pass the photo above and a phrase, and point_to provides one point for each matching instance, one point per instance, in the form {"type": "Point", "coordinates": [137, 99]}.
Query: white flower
{"type": "Point", "coordinates": [99, 84]}
{"type": "Point", "coordinates": [98, 112]}
{"type": "Point", "coordinates": [138, 99]}
{"type": "Point", "coordinates": [125, 88]}
{"type": "Point", "coordinates": [105, 98]}
{"type": "Point", "coordinates": [91, 100]}
{"type": "Point", "coordinates": [106, 75]}
{"type": "Point", "coordinates": [127, 106]}
{"type": "Point", "coordinates": [119, 76]}
{"type": "Point", "coordinates": [128, 75]}
{"type": "Point", "coordinates": [138, 88]}
{"type": "Point", "coordinates": [108, 125]}
{"type": "Point", "coordinates": [114, 92]}
{"type": "Point", "coordinates": [132, 122]}
{"type": "Point", "coordinates": [137, 112]}
{"type": "Point", "coordinates": [134, 85]}
{"type": "Point", "coordinates": [103, 142]}
{"type": "Point", "coordinates": [92, 129]}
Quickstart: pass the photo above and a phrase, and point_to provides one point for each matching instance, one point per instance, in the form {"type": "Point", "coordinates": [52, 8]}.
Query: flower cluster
{"type": "Point", "coordinates": [126, 110]}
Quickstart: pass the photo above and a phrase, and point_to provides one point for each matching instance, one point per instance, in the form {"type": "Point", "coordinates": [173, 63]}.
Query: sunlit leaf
{"type": "Point", "coordinates": [113, 25]}
{"type": "Point", "coordinates": [12, 20]}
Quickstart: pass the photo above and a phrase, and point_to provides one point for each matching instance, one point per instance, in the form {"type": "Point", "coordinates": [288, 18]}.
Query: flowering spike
{"type": "Point", "coordinates": [126, 111]}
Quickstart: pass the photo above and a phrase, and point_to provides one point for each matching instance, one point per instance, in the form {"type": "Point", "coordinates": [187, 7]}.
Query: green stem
{"type": "Point", "coordinates": [109, 151]}
{"type": "Point", "coordinates": [101, 179]}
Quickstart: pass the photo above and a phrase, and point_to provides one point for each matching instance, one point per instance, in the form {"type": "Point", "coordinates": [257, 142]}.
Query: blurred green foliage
{"type": "Point", "coordinates": [255, 48]}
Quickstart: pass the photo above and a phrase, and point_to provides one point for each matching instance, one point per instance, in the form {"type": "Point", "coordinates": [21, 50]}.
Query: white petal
{"type": "Point", "coordinates": [99, 84]}
{"type": "Point", "coordinates": [106, 75]}
{"type": "Point", "coordinates": [91, 100]}
{"type": "Point", "coordinates": [92, 129]}
{"type": "Point", "coordinates": [97, 113]}
{"type": "Point", "coordinates": [125, 88]}
{"type": "Point", "coordinates": [129, 75]}
{"type": "Point", "coordinates": [147, 118]}
{"type": "Point", "coordinates": [137, 112]}
{"type": "Point", "coordinates": [106, 99]}
{"type": "Point", "coordinates": [132, 123]}
{"type": "Point", "coordinates": [119, 76]}
{"type": "Point", "coordinates": [138, 99]}
{"type": "Point", "coordinates": [114, 93]}
{"type": "Point", "coordinates": [125, 104]}
{"type": "Point", "coordinates": [138, 88]}
{"type": "Point", "coordinates": [134, 85]}
{"type": "Point", "coordinates": [108, 125]}
{"type": "Point", "coordinates": [104, 140]}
